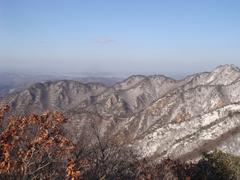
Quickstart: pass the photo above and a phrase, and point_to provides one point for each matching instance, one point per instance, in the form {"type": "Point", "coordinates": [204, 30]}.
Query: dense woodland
{"type": "Point", "coordinates": [37, 147]}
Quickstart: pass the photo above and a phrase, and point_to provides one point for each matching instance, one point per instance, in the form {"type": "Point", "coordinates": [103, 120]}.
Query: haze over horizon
{"type": "Point", "coordinates": [118, 38]}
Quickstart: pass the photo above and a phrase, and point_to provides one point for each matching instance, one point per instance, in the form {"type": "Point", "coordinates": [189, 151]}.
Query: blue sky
{"type": "Point", "coordinates": [172, 37]}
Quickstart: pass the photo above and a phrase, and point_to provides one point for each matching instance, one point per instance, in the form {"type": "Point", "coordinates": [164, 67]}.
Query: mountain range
{"type": "Point", "coordinates": [11, 82]}
{"type": "Point", "coordinates": [156, 116]}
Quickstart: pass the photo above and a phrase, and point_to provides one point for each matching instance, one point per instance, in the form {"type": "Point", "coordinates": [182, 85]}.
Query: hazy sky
{"type": "Point", "coordinates": [119, 36]}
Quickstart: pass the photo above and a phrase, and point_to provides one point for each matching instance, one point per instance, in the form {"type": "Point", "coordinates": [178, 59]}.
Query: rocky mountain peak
{"type": "Point", "coordinates": [227, 67]}
{"type": "Point", "coordinates": [224, 74]}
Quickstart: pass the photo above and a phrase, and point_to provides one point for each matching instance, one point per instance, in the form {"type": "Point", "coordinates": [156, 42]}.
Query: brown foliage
{"type": "Point", "coordinates": [31, 145]}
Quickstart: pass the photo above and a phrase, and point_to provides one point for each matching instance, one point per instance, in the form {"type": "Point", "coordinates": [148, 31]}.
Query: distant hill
{"type": "Point", "coordinates": [11, 82]}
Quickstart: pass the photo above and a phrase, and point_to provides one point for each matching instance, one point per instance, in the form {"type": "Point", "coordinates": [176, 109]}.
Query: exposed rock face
{"type": "Point", "coordinates": [155, 115]}
{"type": "Point", "coordinates": [193, 136]}
{"type": "Point", "coordinates": [59, 95]}
{"type": "Point", "coordinates": [133, 95]}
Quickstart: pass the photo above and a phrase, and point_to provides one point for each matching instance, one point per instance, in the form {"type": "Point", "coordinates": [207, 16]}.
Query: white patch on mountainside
{"type": "Point", "coordinates": [176, 139]}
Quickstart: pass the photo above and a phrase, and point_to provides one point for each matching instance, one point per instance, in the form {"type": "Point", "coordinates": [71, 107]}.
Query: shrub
{"type": "Point", "coordinates": [217, 165]}
{"type": "Point", "coordinates": [33, 146]}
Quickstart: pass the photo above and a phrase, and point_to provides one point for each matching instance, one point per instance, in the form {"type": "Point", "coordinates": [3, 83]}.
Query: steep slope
{"type": "Point", "coordinates": [58, 95]}
{"type": "Point", "coordinates": [132, 95]}
{"type": "Point", "coordinates": [191, 97]}
{"type": "Point", "coordinates": [185, 104]}
{"type": "Point", "coordinates": [222, 75]}
{"type": "Point", "coordinates": [190, 138]}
